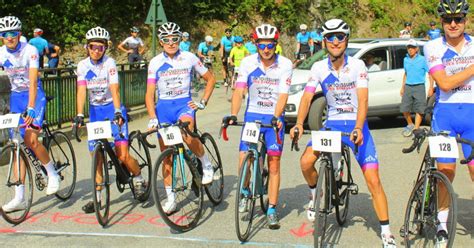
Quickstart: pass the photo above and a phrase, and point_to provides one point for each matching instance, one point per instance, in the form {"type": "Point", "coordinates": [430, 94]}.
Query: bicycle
{"type": "Point", "coordinates": [333, 188]}
{"type": "Point", "coordinates": [183, 180]}
{"type": "Point", "coordinates": [421, 215]}
{"type": "Point", "coordinates": [253, 176]}
{"type": "Point", "coordinates": [60, 151]}
{"type": "Point", "coordinates": [104, 158]}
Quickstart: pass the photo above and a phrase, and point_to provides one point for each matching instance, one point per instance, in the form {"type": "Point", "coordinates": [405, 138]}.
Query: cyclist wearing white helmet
{"type": "Point", "coordinates": [451, 64]}
{"type": "Point", "coordinates": [204, 53]}
{"type": "Point", "coordinates": [97, 77]}
{"type": "Point", "coordinates": [20, 62]}
{"type": "Point", "coordinates": [304, 43]}
{"type": "Point", "coordinates": [185, 44]}
{"type": "Point", "coordinates": [133, 46]}
{"type": "Point", "coordinates": [267, 76]}
{"type": "Point", "coordinates": [169, 76]}
{"type": "Point", "coordinates": [342, 76]}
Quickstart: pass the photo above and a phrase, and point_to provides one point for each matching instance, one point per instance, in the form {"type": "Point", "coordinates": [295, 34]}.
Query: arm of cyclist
{"type": "Point", "coordinates": [280, 108]}
{"type": "Point", "coordinates": [447, 83]}
{"type": "Point", "coordinates": [211, 81]}
{"type": "Point", "coordinates": [150, 105]}
{"type": "Point", "coordinates": [80, 102]}
{"type": "Point", "coordinates": [31, 113]}
{"type": "Point", "coordinates": [362, 109]}
{"type": "Point", "coordinates": [115, 90]}
{"type": "Point", "coordinates": [302, 113]}
{"type": "Point", "coordinates": [122, 48]}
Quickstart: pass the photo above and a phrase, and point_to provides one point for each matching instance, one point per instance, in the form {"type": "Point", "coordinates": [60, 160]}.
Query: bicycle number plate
{"type": "Point", "coordinates": [251, 132]}
{"type": "Point", "coordinates": [9, 120]}
{"type": "Point", "coordinates": [99, 130]}
{"type": "Point", "coordinates": [326, 141]}
{"type": "Point", "coordinates": [443, 147]}
{"type": "Point", "coordinates": [171, 135]}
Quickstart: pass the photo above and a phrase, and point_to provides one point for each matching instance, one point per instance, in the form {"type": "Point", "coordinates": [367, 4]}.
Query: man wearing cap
{"type": "Point", "coordinates": [406, 32]}
{"type": "Point", "coordinates": [413, 87]}
{"type": "Point", "coordinates": [40, 44]}
{"type": "Point", "coordinates": [434, 32]}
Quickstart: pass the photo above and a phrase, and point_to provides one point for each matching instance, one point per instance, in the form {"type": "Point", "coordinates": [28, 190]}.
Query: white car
{"type": "Point", "coordinates": [384, 84]}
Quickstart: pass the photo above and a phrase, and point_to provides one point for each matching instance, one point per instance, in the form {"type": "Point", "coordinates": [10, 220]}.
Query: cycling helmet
{"type": "Point", "coordinates": [134, 29]}
{"type": "Point", "coordinates": [169, 28]}
{"type": "Point", "coordinates": [97, 33]}
{"type": "Point", "coordinates": [10, 23]}
{"type": "Point", "coordinates": [432, 23]}
{"type": "Point", "coordinates": [208, 38]}
{"type": "Point", "coordinates": [238, 39]}
{"type": "Point", "coordinates": [266, 31]}
{"type": "Point", "coordinates": [447, 7]}
{"type": "Point", "coordinates": [407, 24]}
{"type": "Point", "coordinates": [336, 26]}
{"type": "Point", "coordinates": [185, 34]}
{"type": "Point", "coordinates": [303, 27]}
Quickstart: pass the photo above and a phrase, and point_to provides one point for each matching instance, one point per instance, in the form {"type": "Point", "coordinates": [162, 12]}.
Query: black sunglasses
{"type": "Point", "coordinates": [457, 20]}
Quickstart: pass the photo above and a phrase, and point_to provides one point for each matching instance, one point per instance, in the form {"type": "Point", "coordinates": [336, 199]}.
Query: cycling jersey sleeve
{"type": "Point", "coordinates": [232, 52]}
{"type": "Point", "coordinates": [313, 80]}
{"type": "Point", "coordinates": [33, 60]}
{"type": "Point", "coordinates": [124, 41]}
{"type": "Point", "coordinates": [112, 72]}
{"type": "Point", "coordinates": [285, 80]}
{"type": "Point", "coordinates": [433, 57]}
{"type": "Point", "coordinates": [81, 73]}
{"type": "Point", "coordinates": [200, 48]}
{"type": "Point", "coordinates": [140, 41]}
{"type": "Point", "coordinates": [362, 75]}
{"type": "Point", "coordinates": [242, 78]}
{"type": "Point", "coordinates": [152, 69]}
{"type": "Point", "coordinates": [198, 66]}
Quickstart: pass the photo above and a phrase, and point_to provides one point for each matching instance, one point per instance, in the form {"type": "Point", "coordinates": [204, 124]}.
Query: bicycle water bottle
{"type": "Point", "coordinates": [337, 165]}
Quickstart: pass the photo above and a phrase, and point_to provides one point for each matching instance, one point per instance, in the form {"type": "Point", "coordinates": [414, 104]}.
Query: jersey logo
{"type": "Point", "coordinates": [274, 147]}
{"type": "Point", "coordinates": [7, 64]}
{"type": "Point", "coordinates": [34, 57]}
{"type": "Point", "coordinates": [363, 75]}
{"type": "Point", "coordinates": [112, 71]}
{"type": "Point", "coordinates": [432, 58]}
{"type": "Point", "coordinates": [264, 92]}
{"type": "Point", "coordinates": [90, 75]}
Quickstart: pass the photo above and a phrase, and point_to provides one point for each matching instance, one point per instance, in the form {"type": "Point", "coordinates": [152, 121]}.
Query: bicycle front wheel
{"type": "Point", "coordinates": [215, 190]}
{"type": "Point", "coordinates": [101, 185]}
{"type": "Point", "coordinates": [178, 192]}
{"type": "Point", "coordinates": [140, 152]}
{"type": "Point", "coordinates": [9, 182]}
{"type": "Point", "coordinates": [245, 201]}
{"type": "Point", "coordinates": [421, 224]}
{"type": "Point", "coordinates": [64, 159]}
{"type": "Point", "coordinates": [321, 206]}
{"type": "Point", "coordinates": [343, 187]}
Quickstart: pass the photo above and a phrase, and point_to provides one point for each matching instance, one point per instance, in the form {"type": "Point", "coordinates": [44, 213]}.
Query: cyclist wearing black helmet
{"type": "Point", "coordinates": [135, 46]}
{"type": "Point", "coordinates": [406, 32]}
{"type": "Point", "coordinates": [434, 32]}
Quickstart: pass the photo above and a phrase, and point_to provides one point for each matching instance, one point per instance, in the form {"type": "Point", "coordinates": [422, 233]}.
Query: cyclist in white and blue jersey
{"type": "Point", "coordinates": [344, 81]}
{"type": "Point", "coordinates": [97, 75]}
{"type": "Point", "coordinates": [451, 64]}
{"type": "Point", "coordinates": [20, 62]}
{"type": "Point", "coordinates": [169, 77]}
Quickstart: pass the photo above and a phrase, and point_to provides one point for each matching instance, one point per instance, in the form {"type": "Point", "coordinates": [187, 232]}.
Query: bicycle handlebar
{"type": "Point", "coordinates": [223, 130]}
{"type": "Point", "coordinates": [294, 142]}
{"type": "Point", "coordinates": [145, 135]}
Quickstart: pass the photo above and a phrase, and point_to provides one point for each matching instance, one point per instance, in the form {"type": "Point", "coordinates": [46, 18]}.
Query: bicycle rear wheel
{"type": "Point", "coordinates": [62, 153]}
{"type": "Point", "coordinates": [215, 190]}
{"type": "Point", "coordinates": [321, 206]}
{"type": "Point", "coordinates": [101, 185]}
{"type": "Point", "coordinates": [420, 226]}
{"type": "Point", "coordinates": [9, 181]}
{"type": "Point", "coordinates": [187, 192]}
{"type": "Point", "coordinates": [245, 201]}
{"type": "Point", "coordinates": [139, 150]}
{"type": "Point", "coordinates": [342, 187]}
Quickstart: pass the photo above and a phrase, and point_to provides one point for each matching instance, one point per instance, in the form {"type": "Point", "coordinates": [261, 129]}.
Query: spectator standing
{"type": "Point", "coordinates": [434, 32]}
{"type": "Point", "coordinates": [53, 56]}
{"type": "Point", "coordinates": [134, 46]}
{"type": "Point", "coordinates": [41, 45]}
{"type": "Point", "coordinates": [413, 87]}
{"type": "Point", "coordinates": [185, 44]}
{"type": "Point", "coordinates": [406, 32]}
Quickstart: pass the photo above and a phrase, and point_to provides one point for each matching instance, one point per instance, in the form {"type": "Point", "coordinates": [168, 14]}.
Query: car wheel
{"type": "Point", "coordinates": [317, 113]}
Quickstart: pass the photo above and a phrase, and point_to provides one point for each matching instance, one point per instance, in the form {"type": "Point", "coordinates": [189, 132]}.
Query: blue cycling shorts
{"type": "Point", "coordinates": [455, 118]}
{"type": "Point", "coordinates": [101, 113]}
{"type": "Point", "coordinates": [170, 111]}
{"type": "Point", "coordinates": [19, 103]}
{"type": "Point", "coordinates": [273, 148]}
{"type": "Point", "coordinates": [367, 156]}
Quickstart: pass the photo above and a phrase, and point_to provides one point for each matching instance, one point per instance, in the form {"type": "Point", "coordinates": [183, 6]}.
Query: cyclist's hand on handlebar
{"type": "Point", "coordinates": [118, 118]}
{"type": "Point", "coordinates": [229, 120]}
{"type": "Point", "coordinates": [29, 115]}
{"type": "Point", "coordinates": [357, 136]}
{"type": "Point", "coordinates": [153, 123]}
{"type": "Point", "coordinates": [78, 120]}
{"type": "Point", "coordinates": [197, 105]}
{"type": "Point", "coordinates": [276, 122]}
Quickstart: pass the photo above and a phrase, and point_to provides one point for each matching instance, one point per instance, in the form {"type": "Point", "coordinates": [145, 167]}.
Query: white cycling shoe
{"type": "Point", "coordinates": [14, 205]}
{"type": "Point", "coordinates": [388, 241]}
{"type": "Point", "coordinates": [207, 175]}
{"type": "Point", "coordinates": [169, 207]}
{"type": "Point", "coordinates": [310, 212]}
{"type": "Point", "coordinates": [53, 185]}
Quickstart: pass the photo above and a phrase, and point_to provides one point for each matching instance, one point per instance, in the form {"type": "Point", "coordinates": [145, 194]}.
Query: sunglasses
{"type": "Point", "coordinates": [270, 46]}
{"type": "Point", "coordinates": [11, 34]}
{"type": "Point", "coordinates": [339, 37]}
{"type": "Point", "coordinates": [171, 40]}
{"type": "Point", "coordinates": [99, 48]}
{"type": "Point", "coordinates": [457, 20]}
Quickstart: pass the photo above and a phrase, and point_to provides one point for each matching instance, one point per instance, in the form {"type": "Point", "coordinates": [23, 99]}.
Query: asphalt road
{"type": "Point", "coordinates": [57, 223]}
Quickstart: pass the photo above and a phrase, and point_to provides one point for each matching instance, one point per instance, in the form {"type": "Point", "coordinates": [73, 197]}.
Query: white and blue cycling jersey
{"type": "Point", "coordinates": [17, 64]}
{"type": "Point", "coordinates": [98, 78]}
{"type": "Point", "coordinates": [455, 108]}
{"type": "Point", "coordinates": [227, 43]}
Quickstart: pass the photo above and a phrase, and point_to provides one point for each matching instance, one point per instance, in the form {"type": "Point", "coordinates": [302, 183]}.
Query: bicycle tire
{"type": "Point", "coordinates": [139, 150]}
{"type": "Point", "coordinates": [248, 215]}
{"type": "Point", "coordinates": [215, 190]}
{"type": "Point", "coordinates": [413, 227]}
{"type": "Point", "coordinates": [188, 212]}
{"type": "Point", "coordinates": [321, 206]}
{"type": "Point", "coordinates": [264, 200]}
{"type": "Point", "coordinates": [64, 163]}
{"type": "Point", "coordinates": [15, 217]}
{"type": "Point", "coordinates": [342, 187]}
{"type": "Point", "coordinates": [102, 205]}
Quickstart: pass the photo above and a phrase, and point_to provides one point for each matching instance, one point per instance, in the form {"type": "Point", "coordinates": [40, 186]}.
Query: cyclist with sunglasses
{"type": "Point", "coordinates": [227, 42]}
{"type": "Point", "coordinates": [267, 76]}
{"type": "Point", "coordinates": [97, 75]}
{"type": "Point", "coordinates": [451, 64]}
{"type": "Point", "coordinates": [169, 74]}
{"type": "Point", "coordinates": [344, 81]}
{"type": "Point", "coordinates": [20, 62]}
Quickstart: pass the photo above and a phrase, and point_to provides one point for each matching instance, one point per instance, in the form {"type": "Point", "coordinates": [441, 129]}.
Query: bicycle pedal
{"type": "Point", "coordinates": [354, 189]}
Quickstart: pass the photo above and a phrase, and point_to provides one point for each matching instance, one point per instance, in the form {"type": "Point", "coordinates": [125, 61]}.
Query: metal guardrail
{"type": "Point", "coordinates": [61, 83]}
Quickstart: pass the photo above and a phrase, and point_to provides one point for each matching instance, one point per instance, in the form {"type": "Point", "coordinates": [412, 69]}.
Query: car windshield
{"type": "Point", "coordinates": [322, 54]}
